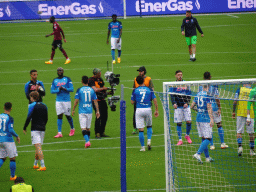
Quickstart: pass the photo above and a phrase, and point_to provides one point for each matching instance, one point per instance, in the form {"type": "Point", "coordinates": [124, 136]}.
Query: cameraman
{"type": "Point", "coordinates": [97, 83]}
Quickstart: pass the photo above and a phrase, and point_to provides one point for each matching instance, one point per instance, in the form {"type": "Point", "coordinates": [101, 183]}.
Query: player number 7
{"type": "Point", "coordinates": [143, 96]}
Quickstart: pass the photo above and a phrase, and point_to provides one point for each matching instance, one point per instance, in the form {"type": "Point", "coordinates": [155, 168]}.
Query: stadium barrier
{"type": "Point", "coordinates": [36, 10]}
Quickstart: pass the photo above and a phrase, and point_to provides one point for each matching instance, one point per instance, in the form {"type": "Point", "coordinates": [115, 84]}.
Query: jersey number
{"type": "Point", "coordinates": [200, 102]}
{"type": "Point", "coordinates": [87, 96]}
{"type": "Point", "coordinates": [143, 96]}
{"type": "Point", "coordinates": [2, 124]}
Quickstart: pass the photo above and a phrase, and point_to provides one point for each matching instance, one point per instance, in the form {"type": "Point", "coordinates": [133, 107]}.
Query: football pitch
{"type": "Point", "coordinates": [227, 50]}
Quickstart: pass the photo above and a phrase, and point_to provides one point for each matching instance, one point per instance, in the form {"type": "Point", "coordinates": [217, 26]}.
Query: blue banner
{"type": "Point", "coordinates": [161, 7]}
{"type": "Point", "coordinates": [59, 9]}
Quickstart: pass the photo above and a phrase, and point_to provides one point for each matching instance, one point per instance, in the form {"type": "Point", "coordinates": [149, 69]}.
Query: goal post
{"type": "Point", "coordinates": [228, 172]}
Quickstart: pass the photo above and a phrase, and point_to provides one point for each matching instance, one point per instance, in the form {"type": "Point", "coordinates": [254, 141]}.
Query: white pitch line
{"type": "Point", "coordinates": [135, 54]}
{"type": "Point", "coordinates": [231, 15]}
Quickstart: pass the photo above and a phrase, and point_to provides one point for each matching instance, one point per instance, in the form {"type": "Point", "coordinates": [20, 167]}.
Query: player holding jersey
{"type": "Point", "coordinates": [85, 96]}
{"type": "Point", "coordinates": [62, 86]}
{"type": "Point", "coordinates": [143, 96]}
{"type": "Point", "coordinates": [180, 100]}
{"type": "Point", "coordinates": [216, 108]}
{"type": "Point", "coordinates": [204, 122]}
{"type": "Point", "coordinates": [7, 144]}
{"type": "Point", "coordinates": [57, 31]}
{"type": "Point", "coordinates": [116, 33]}
{"type": "Point", "coordinates": [241, 105]}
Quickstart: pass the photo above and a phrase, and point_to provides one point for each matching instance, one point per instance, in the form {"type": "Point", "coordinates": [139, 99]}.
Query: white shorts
{"type": "Point", "coordinates": [241, 122]}
{"type": "Point", "coordinates": [216, 117]}
{"type": "Point", "coordinates": [85, 120]}
{"type": "Point", "coordinates": [63, 107]}
{"type": "Point", "coordinates": [37, 137]}
{"type": "Point", "coordinates": [204, 129]}
{"type": "Point", "coordinates": [114, 44]}
{"type": "Point", "coordinates": [8, 149]}
{"type": "Point", "coordinates": [182, 114]}
{"type": "Point", "coordinates": [143, 115]}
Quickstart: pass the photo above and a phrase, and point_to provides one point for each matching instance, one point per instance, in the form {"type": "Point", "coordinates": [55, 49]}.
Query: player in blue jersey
{"type": "Point", "coordinates": [7, 144]}
{"type": "Point", "coordinates": [115, 27]}
{"type": "Point", "coordinates": [34, 85]}
{"type": "Point", "coordinates": [38, 115]}
{"type": "Point", "coordinates": [62, 86]}
{"type": "Point", "coordinates": [204, 122]}
{"type": "Point", "coordinates": [85, 96]}
{"type": "Point", "coordinates": [216, 109]}
{"type": "Point", "coordinates": [180, 97]}
{"type": "Point", "coordinates": [143, 96]}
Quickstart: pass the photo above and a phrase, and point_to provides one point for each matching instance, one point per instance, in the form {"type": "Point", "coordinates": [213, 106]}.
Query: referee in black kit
{"type": "Point", "coordinates": [190, 24]}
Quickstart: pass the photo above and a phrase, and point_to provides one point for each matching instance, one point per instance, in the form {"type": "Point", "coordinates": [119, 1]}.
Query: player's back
{"type": "Point", "coordinates": [85, 95]}
{"type": "Point", "coordinates": [143, 97]}
{"type": "Point", "coordinates": [115, 28]}
{"type": "Point", "coordinates": [201, 100]}
{"type": "Point", "coordinates": [39, 115]}
{"type": "Point", "coordinates": [214, 92]}
{"type": "Point", "coordinates": [6, 123]}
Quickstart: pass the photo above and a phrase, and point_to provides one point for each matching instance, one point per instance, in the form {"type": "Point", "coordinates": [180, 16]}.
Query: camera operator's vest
{"type": "Point", "coordinates": [99, 83]}
{"type": "Point", "coordinates": [146, 82]}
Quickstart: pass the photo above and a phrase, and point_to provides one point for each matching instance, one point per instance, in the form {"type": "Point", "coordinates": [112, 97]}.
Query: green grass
{"type": "Point", "coordinates": [227, 51]}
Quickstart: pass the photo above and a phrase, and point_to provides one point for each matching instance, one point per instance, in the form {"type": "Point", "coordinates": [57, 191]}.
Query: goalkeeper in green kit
{"type": "Point", "coordinates": [252, 96]}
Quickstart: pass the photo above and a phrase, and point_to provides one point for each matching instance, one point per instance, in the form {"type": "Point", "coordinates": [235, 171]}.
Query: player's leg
{"type": "Point", "coordinates": [11, 152]}
{"type": "Point", "coordinates": [250, 131]}
{"type": "Point", "coordinates": [63, 52]}
{"type": "Point", "coordinates": [193, 42]}
{"type": "Point", "coordinates": [119, 51]}
{"type": "Point", "coordinates": [221, 135]}
{"type": "Point", "coordinates": [188, 40]}
{"type": "Point", "coordinates": [59, 111]}
{"type": "Point", "coordinates": [37, 138]}
{"type": "Point", "coordinates": [240, 123]}
{"type": "Point", "coordinates": [178, 117]}
{"type": "Point", "coordinates": [54, 46]}
{"type": "Point", "coordinates": [3, 154]}
{"type": "Point", "coordinates": [187, 116]}
{"type": "Point", "coordinates": [13, 168]}
{"type": "Point", "coordinates": [135, 130]}
{"type": "Point", "coordinates": [104, 118]}
{"type": "Point", "coordinates": [40, 154]}
{"type": "Point", "coordinates": [67, 110]}
{"type": "Point", "coordinates": [148, 120]}
{"type": "Point", "coordinates": [85, 124]}
{"type": "Point", "coordinates": [140, 123]}
{"type": "Point", "coordinates": [113, 47]}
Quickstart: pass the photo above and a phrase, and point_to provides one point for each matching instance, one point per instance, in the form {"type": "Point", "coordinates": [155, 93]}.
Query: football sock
{"type": "Point", "coordinates": [211, 141]}
{"type": "Point", "coordinates": [1, 162]}
{"type": "Point", "coordinates": [193, 55]}
{"type": "Point", "coordinates": [12, 168]}
{"type": "Point", "coordinates": [221, 134]}
{"type": "Point", "coordinates": [203, 146]}
{"type": "Point", "coordinates": [52, 55]}
{"type": "Point", "coordinates": [149, 132]}
{"type": "Point", "coordinates": [179, 131]}
{"type": "Point", "coordinates": [70, 121]}
{"type": "Point", "coordinates": [42, 163]}
{"type": "Point", "coordinates": [239, 141]}
{"type": "Point", "coordinates": [119, 53]}
{"type": "Point", "coordinates": [113, 54]}
{"type": "Point", "coordinates": [59, 122]}
{"type": "Point", "coordinates": [251, 145]}
{"type": "Point", "coordinates": [36, 161]}
{"type": "Point", "coordinates": [64, 53]}
{"type": "Point", "coordinates": [141, 137]}
{"type": "Point", "coordinates": [188, 126]}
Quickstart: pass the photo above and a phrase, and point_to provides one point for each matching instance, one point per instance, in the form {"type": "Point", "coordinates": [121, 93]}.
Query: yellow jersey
{"type": "Point", "coordinates": [242, 105]}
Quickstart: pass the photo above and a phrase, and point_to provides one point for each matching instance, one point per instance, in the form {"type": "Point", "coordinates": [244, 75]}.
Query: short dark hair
{"type": "Point", "coordinates": [85, 79]}
{"type": "Point", "coordinates": [19, 180]}
{"type": "Point", "coordinates": [178, 71]}
{"type": "Point", "coordinates": [188, 11]}
{"type": "Point", "coordinates": [207, 75]}
{"type": "Point", "coordinates": [34, 95]}
{"type": "Point", "coordinates": [114, 15]}
{"type": "Point", "coordinates": [52, 18]}
{"type": "Point", "coordinates": [140, 80]}
{"type": "Point", "coordinates": [8, 106]}
{"type": "Point", "coordinates": [32, 71]}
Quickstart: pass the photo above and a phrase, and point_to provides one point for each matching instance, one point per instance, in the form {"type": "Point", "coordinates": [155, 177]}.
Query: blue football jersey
{"type": "Point", "coordinates": [62, 95]}
{"type": "Point", "coordinates": [6, 128]}
{"type": "Point", "coordinates": [214, 92]}
{"type": "Point", "coordinates": [86, 95]}
{"type": "Point", "coordinates": [115, 28]}
{"type": "Point", "coordinates": [143, 96]}
{"type": "Point", "coordinates": [201, 100]}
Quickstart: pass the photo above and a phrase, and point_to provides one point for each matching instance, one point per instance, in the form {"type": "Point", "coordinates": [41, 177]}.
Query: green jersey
{"type": "Point", "coordinates": [252, 96]}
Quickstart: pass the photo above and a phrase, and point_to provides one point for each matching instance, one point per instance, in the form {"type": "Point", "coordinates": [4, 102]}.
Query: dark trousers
{"type": "Point", "coordinates": [101, 122]}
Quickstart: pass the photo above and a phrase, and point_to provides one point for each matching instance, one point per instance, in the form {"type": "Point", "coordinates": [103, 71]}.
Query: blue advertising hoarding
{"type": "Point", "coordinates": [59, 9]}
{"type": "Point", "coordinates": [161, 7]}
{"type": "Point", "coordinates": [102, 8]}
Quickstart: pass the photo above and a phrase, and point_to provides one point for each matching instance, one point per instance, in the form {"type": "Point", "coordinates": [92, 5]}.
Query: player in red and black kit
{"type": "Point", "coordinates": [57, 31]}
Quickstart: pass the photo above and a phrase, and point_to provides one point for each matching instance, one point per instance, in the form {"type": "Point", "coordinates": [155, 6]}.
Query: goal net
{"type": "Point", "coordinates": [228, 171]}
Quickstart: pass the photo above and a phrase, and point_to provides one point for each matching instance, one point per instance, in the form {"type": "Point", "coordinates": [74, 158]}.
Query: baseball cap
{"type": "Point", "coordinates": [142, 69]}
{"type": "Point", "coordinates": [96, 70]}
